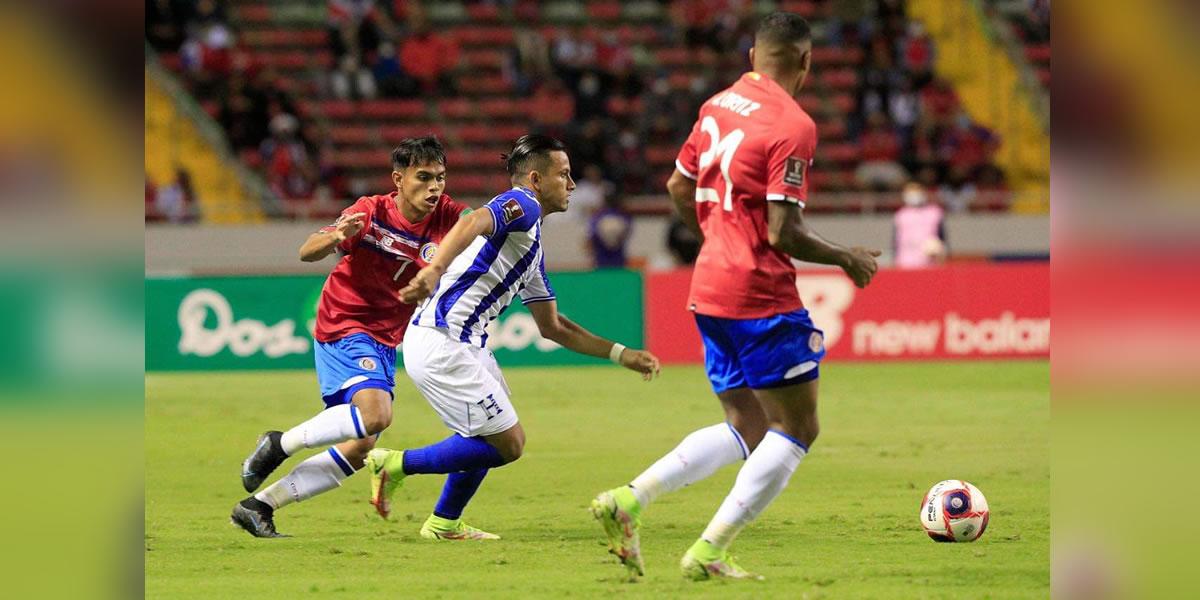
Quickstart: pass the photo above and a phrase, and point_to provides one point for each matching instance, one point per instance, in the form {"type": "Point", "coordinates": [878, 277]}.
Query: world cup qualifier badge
{"type": "Point", "coordinates": [366, 364]}
{"type": "Point", "coordinates": [428, 251]}
{"type": "Point", "coordinates": [512, 210]}
{"type": "Point", "coordinates": [793, 174]}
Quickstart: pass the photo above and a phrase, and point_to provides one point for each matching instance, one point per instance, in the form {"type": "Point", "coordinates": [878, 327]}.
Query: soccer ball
{"type": "Point", "coordinates": [954, 511]}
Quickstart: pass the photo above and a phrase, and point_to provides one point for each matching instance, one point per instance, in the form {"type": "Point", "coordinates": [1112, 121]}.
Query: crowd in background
{"type": "Point", "coordinates": [907, 123]}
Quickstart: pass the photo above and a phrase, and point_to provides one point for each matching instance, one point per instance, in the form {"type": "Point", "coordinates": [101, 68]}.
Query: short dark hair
{"type": "Point", "coordinates": [781, 28]}
{"type": "Point", "coordinates": [529, 150]}
{"type": "Point", "coordinates": [418, 151]}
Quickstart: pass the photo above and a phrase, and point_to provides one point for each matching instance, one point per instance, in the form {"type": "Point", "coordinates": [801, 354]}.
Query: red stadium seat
{"type": "Point", "coordinates": [392, 109]}
{"type": "Point", "coordinates": [839, 79]}
{"type": "Point", "coordinates": [252, 13]}
{"type": "Point", "coordinates": [604, 10]}
{"type": "Point", "coordinates": [501, 108]}
{"type": "Point", "coordinates": [484, 58]}
{"type": "Point", "coordinates": [483, 12]}
{"type": "Point", "coordinates": [1038, 54]}
{"type": "Point", "coordinates": [285, 37]}
{"type": "Point", "coordinates": [456, 108]}
{"type": "Point", "coordinates": [350, 135]}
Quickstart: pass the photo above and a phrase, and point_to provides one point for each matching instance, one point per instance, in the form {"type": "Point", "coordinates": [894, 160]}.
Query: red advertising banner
{"type": "Point", "coordinates": [973, 311]}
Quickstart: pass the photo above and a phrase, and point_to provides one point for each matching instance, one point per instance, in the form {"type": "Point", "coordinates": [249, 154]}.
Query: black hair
{"type": "Point", "coordinates": [781, 28]}
{"type": "Point", "coordinates": [418, 151]}
{"type": "Point", "coordinates": [530, 150]}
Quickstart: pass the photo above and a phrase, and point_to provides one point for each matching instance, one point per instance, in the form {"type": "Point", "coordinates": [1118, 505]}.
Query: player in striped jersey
{"type": "Point", "coordinates": [490, 257]}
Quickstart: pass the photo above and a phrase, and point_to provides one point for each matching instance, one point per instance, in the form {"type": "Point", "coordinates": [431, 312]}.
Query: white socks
{"type": "Point", "coordinates": [319, 473]}
{"type": "Point", "coordinates": [696, 457]}
{"type": "Point", "coordinates": [761, 479]}
{"type": "Point", "coordinates": [330, 426]}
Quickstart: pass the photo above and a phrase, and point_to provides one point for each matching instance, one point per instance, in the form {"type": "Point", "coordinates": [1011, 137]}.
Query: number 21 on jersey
{"type": "Point", "coordinates": [722, 149]}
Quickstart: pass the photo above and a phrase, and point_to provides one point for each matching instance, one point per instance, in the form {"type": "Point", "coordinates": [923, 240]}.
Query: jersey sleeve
{"type": "Point", "coordinates": [362, 206]}
{"type": "Point", "coordinates": [512, 212]}
{"type": "Point", "coordinates": [788, 162]}
{"type": "Point", "coordinates": [537, 285]}
{"type": "Point", "coordinates": [687, 161]}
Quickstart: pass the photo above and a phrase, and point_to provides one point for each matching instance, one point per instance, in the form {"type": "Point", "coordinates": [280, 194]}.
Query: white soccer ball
{"type": "Point", "coordinates": [954, 511]}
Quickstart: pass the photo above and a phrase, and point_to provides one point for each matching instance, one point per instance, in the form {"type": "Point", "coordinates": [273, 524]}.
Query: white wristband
{"type": "Point", "coordinates": [615, 354]}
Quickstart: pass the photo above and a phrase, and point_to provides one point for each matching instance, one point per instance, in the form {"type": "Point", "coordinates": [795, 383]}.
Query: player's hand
{"type": "Point", "coordinates": [347, 226]}
{"type": "Point", "coordinates": [641, 361]}
{"type": "Point", "coordinates": [862, 266]}
{"type": "Point", "coordinates": [421, 286]}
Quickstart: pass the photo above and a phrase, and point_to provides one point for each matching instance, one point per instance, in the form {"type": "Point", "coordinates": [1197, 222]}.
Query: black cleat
{"type": "Point", "coordinates": [256, 517]}
{"type": "Point", "coordinates": [267, 456]}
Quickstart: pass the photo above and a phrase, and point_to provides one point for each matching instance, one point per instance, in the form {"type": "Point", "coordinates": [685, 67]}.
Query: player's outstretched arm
{"type": "Point", "coordinates": [683, 195]}
{"type": "Point", "coordinates": [572, 336]}
{"type": "Point", "coordinates": [787, 232]}
{"type": "Point", "coordinates": [468, 227]}
{"type": "Point", "coordinates": [322, 243]}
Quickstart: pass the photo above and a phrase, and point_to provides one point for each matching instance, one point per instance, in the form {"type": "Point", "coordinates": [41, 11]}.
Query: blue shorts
{"type": "Point", "coordinates": [761, 353]}
{"type": "Point", "coordinates": [353, 363]}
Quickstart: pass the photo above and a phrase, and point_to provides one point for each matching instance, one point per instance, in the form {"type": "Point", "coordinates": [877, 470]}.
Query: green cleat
{"type": "Point", "coordinates": [437, 528]}
{"type": "Point", "coordinates": [619, 512]}
{"type": "Point", "coordinates": [705, 561]}
{"type": "Point", "coordinates": [387, 473]}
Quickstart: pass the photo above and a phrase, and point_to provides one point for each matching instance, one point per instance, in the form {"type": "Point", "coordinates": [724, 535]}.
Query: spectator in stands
{"type": "Point", "coordinates": [590, 192]}
{"type": "Point", "coordinates": [919, 232]}
{"type": "Point", "coordinates": [958, 193]}
{"type": "Point", "coordinates": [429, 58]}
{"type": "Point", "coordinates": [880, 167]}
{"type": "Point", "coordinates": [174, 201]}
{"type": "Point", "coordinates": [243, 113]}
{"type": "Point", "coordinates": [290, 173]}
{"type": "Point", "coordinates": [151, 195]}
{"type": "Point", "coordinates": [608, 234]}
{"type": "Point", "coordinates": [591, 96]}
{"type": "Point", "coordinates": [939, 99]}
{"type": "Point", "coordinates": [917, 49]}
{"type": "Point", "coordinates": [356, 27]}
{"type": "Point", "coordinates": [967, 146]}
{"type": "Point", "coordinates": [589, 145]}
{"type": "Point", "coordinates": [351, 79]}
{"type": "Point", "coordinates": [166, 23]}
{"type": "Point", "coordinates": [390, 78]}
{"type": "Point", "coordinates": [207, 55]}
{"type": "Point", "coordinates": [528, 61]}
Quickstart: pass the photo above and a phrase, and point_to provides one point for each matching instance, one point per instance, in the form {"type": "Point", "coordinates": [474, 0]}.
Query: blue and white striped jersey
{"type": "Point", "coordinates": [481, 282]}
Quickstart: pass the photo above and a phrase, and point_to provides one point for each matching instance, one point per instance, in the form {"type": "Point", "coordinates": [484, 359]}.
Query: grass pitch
{"type": "Point", "coordinates": [846, 527]}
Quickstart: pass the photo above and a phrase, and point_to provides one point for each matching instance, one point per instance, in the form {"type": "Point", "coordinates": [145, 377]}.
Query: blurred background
{"type": "Point", "coordinates": [264, 119]}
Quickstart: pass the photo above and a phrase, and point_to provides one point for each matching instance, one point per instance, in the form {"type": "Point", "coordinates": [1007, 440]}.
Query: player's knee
{"type": "Point", "coordinates": [375, 410]}
{"type": "Point", "coordinates": [751, 431]}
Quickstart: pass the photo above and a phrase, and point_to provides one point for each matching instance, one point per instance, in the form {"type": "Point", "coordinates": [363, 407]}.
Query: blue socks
{"type": "Point", "coordinates": [452, 455]}
{"type": "Point", "coordinates": [459, 489]}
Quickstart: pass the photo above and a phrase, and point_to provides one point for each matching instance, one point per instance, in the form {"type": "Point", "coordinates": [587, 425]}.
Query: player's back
{"type": "Point", "coordinates": [752, 144]}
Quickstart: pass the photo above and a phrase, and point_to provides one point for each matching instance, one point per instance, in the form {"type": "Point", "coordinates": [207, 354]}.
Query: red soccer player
{"type": "Point", "coordinates": [383, 241]}
{"type": "Point", "coordinates": [740, 183]}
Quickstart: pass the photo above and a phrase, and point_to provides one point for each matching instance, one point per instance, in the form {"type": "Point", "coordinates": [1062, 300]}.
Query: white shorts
{"type": "Point", "coordinates": [462, 382]}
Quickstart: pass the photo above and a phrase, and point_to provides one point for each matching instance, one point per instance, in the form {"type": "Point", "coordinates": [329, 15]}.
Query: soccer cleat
{"type": "Point", "coordinates": [387, 473]}
{"type": "Point", "coordinates": [437, 528]}
{"type": "Point", "coordinates": [256, 517]}
{"type": "Point", "coordinates": [705, 561]}
{"type": "Point", "coordinates": [267, 456]}
{"type": "Point", "coordinates": [618, 512]}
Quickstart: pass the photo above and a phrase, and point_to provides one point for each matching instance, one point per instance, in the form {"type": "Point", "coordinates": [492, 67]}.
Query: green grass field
{"type": "Point", "coordinates": [845, 528]}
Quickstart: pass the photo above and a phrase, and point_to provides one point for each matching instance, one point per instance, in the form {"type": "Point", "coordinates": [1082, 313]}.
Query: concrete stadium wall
{"type": "Point", "coordinates": [272, 248]}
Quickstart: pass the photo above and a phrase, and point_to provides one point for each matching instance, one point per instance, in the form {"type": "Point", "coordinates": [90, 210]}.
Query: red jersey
{"type": "Point", "coordinates": [752, 144]}
{"type": "Point", "coordinates": [361, 294]}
